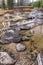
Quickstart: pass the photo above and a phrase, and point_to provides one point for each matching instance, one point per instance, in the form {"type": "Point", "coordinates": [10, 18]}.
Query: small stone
{"type": "Point", "coordinates": [20, 47]}
{"type": "Point", "coordinates": [25, 38]}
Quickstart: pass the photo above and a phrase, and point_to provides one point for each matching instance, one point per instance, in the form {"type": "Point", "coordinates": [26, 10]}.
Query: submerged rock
{"type": "Point", "coordinates": [5, 59]}
{"type": "Point", "coordinates": [20, 47]}
{"type": "Point", "coordinates": [10, 36]}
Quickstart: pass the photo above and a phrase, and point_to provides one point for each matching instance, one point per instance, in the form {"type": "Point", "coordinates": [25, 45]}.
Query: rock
{"type": "Point", "coordinates": [25, 27]}
{"type": "Point", "coordinates": [11, 54]}
{"type": "Point", "coordinates": [33, 56]}
{"type": "Point", "coordinates": [10, 36]}
{"type": "Point", "coordinates": [40, 59]}
{"type": "Point", "coordinates": [5, 59]}
{"type": "Point", "coordinates": [3, 49]}
{"type": "Point", "coordinates": [18, 29]}
{"type": "Point", "coordinates": [25, 38]}
{"type": "Point", "coordinates": [20, 47]}
{"type": "Point", "coordinates": [40, 15]}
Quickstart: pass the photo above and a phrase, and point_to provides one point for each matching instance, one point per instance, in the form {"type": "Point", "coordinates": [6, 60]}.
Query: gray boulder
{"type": "Point", "coordinates": [5, 59]}
{"type": "Point", "coordinates": [20, 47]}
{"type": "Point", "coordinates": [10, 36]}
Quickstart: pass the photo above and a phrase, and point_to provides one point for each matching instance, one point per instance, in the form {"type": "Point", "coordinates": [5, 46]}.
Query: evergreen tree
{"type": "Point", "coordinates": [10, 4]}
{"type": "Point", "coordinates": [3, 4]}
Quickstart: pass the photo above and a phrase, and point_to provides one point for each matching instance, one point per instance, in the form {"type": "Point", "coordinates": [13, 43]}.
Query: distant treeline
{"type": "Point", "coordinates": [10, 4]}
{"type": "Point", "coordinates": [36, 4]}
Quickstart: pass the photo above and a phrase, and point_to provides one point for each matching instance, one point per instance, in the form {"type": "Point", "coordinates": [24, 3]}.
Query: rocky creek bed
{"type": "Point", "coordinates": [22, 46]}
{"type": "Point", "coordinates": [29, 54]}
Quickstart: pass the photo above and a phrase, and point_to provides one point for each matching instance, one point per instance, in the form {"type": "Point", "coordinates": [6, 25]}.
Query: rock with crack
{"type": "Point", "coordinates": [6, 59]}
{"type": "Point", "coordinates": [20, 47]}
{"type": "Point", "coordinates": [10, 36]}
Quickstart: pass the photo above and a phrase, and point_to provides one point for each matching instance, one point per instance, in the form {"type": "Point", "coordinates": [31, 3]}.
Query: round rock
{"type": "Point", "coordinates": [20, 47]}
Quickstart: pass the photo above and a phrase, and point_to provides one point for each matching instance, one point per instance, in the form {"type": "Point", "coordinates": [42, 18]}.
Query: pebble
{"type": "Point", "coordinates": [20, 47]}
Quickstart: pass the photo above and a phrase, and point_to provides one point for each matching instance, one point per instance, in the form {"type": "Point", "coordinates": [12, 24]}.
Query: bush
{"type": "Point", "coordinates": [36, 4]}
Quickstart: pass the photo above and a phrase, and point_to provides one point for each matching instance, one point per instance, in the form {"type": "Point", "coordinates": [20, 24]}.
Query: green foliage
{"type": "Point", "coordinates": [10, 4]}
{"type": "Point", "coordinates": [30, 4]}
{"type": "Point", "coordinates": [41, 5]}
{"type": "Point", "coordinates": [0, 5]}
{"type": "Point", "coordinates": [3, 4]}
{"type": "Point", "coordinates": [36, 4]}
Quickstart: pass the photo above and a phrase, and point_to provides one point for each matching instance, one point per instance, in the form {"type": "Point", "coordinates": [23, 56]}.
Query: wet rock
{"type": "Point", "coordinates": [10, 36]}
{"type": "Point", "coordinates": [20, 47]}
{"type": "Point", "coordinates": [25, 38]}
{"type": "Point", "coordinates": [5, 59]}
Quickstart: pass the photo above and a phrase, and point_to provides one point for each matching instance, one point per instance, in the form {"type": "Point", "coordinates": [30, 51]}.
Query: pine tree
{"type": "Point", "coordinates": [10, 4]}
{"type": "Point", "coordinates": [3, 4]}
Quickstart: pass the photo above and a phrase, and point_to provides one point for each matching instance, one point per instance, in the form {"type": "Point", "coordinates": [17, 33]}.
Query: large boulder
{"type": "Point", "coordinates": [6, 59]}
{"type": "Point", "coordinates": [20, 47]}
{"type": "Point", "coordinates": [10, 36]}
